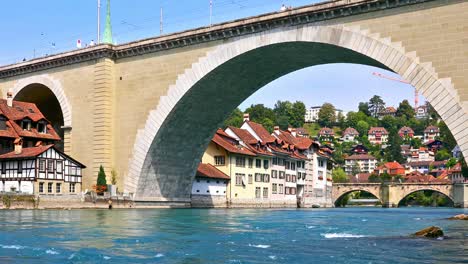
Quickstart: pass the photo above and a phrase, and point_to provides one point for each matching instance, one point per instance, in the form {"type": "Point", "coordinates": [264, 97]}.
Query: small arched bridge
{"type": "Point", "coordinates": [390, 194]}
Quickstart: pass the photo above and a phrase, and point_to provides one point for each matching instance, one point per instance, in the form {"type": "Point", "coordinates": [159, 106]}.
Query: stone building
{"type": "Point", "coordinates": [360, 163]}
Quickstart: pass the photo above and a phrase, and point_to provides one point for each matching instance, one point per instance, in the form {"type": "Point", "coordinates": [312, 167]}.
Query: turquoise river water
{"type": "Point", "coordinates": [348, 235]}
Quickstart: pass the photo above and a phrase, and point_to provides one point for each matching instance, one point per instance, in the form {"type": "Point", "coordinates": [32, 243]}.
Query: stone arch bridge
{"type": "Point", "coordinates": [149, 108]}
{"type": "Point", "coordinates": [391, 194]}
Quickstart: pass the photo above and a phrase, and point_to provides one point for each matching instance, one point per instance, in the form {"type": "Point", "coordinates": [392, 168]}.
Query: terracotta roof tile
{"type": "Point", "coordinates": [405, 130]}
{"type": "Point", "coordinates": [350, 131]}
{"type": "Point", "coordinates": [26, 152]}
{"type": "Point", "coordinates": [326, 131]}
{"type": "Point", "coordinates": [434, 129]}
{"type": "Point", "coordinates": [360, 157]}
{"type": "Point", "coordinates": [231, 145]}
{"type": "Point", "coordinates": [210, 171]}
{"type": "Point", "coordinates": [261, 132]}
{"type": "Point", "coordinates": [375, 130]}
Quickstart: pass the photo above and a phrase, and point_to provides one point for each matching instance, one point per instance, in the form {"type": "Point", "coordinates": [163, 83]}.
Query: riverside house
{"type": "Point", "coordinates": [30, 163]}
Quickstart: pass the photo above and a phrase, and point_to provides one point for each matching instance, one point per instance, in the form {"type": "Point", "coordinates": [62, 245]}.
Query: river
{"type": "Point", "coordinates": [341, 235]}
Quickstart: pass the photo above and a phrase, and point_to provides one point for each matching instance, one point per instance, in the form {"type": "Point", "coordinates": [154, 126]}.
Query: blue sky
{"type": "Point", "coordinates": [29, 27]}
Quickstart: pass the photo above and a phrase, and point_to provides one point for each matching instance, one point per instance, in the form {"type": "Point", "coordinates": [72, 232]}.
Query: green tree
{"type": "Point", "coordinates": [451, 162]}
{"type": "Point", "coordinates": [326, 115]}
{"type": "Point", "coordinates": [268, 124]}
{"type": "Point", "coordinates": [389, 122]}
{"type": "Point", "coordinates": [405, 110]}
{"type": "Point", "coordinates": [282, 122]}
{"type": "Point", "coordinates": [415, 143]}
{"type": "Point", "coordinates": [259, 112]}
{"type": "Point", "coordinates": [101, 179]}
{"type": "Point", "coordinates": [235, 119]}
{"type": "Point", "coordinates": [442, 154]}
{"type": "Point", "coordinates": [364, 107]}
{"type": "Point", "coordinates": [340, 120]}
{"type": "Point", "coordinates": [297, 114]}
{"type": "Point", "coordinates": [339, 175]}
{"type": "Point", "coordinates": [376, 105]}
{"type": "Point", "coordinates": [393, 150]}
{"type": "Point", "coordinates": [362, 127]}
{"type": "Point", "coordinates": [446, 136]}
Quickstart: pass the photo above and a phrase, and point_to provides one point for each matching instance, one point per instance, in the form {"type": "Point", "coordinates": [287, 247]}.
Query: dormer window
{"type": "Point", "coordinates": [26, 124]}
{"type": "Point", "coordinates": [2, 123]}
{"type": "Point", "coordinates": [42, 127]}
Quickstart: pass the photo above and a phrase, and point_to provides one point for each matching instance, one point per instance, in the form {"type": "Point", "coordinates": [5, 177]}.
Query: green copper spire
{"type": "Point", "coordinates": [108, 30]}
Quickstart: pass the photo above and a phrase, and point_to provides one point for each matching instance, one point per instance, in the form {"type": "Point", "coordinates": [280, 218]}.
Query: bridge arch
{"type": "Point", "coordinates": [49, 96]}
{"type": "Point", "coordinates": [445, 189]}
{"type": "Point", "coordinates": [164, 157]}
{"type": "Point", "coordinates": [339, 195]}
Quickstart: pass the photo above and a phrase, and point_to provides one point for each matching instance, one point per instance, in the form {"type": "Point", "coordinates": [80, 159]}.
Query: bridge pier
{"type": "Point", "coordinates": [460, 195]}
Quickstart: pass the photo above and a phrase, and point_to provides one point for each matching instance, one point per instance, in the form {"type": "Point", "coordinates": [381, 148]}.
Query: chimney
{"type": "Point", "coordinates": [276, 130]}
{"type": "Point", "coordinates": [293, 132]}
{"type": "Point", "coordinates": [10, 98]}
{"type": "Point", "coordinates": [246, 117]}
{"type": "Point", "coordinates": [18, 146]}
{"type": "Point", "coordinates": [289, 128]}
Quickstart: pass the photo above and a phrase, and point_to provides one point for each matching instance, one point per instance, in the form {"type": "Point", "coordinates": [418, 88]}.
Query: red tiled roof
{"type": "Point", "coordinates": [393, 165]}
{"type": "Point", "coordinates": [20, 111]}
{"type": "Point", "coordinates": [261, 132]}
{"type": "Point", "coordinates": [326, 131]}
{"type": "Point", "coordinates": [427, 163]}
{"type": "Point", "coordinates": [244, 135]}
{"type": "Point", "coordinates": [26, 152]}
{"type": "Point", "coordinates": [424, 178]}
{"type": "Point", "coordinates": [389, 110]}
{"type": "Point", "coordinates": [210, 171]}
{"type": "Point", "coordinates": [360, 157]}
{"type": "Point", "coordinates": [231, 145]}
{"type": "Point", "coordinates": [361, 177]}
{"type": "Point", "coordinates": [350, 131]}
{"type": "Point", "coordinates": [374, 130]}
{"type": "Point", "coordinates": [302, 131]}
{"type": "Point", "coordinates": [433, 128]}
{"type": "Point", "coordinates": [406, 130]}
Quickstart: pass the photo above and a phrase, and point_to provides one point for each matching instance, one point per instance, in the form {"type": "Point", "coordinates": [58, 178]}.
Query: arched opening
{"type": "Point", "coordinates": [357, 198]}
{"type": "Point", "coordinates": [427, 198]}
{"type": "Point", "coordinates": [47, 103]}
{"type": "Point", "coordinates": [173, 157]}
{"type": "Point", "coordinates": [206, 94]}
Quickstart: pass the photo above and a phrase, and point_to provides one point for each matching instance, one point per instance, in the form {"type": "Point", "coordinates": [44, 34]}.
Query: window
{"type": "Point", "coordinates": [26, 124]}
{"type": "Point", "coordinates": [72, 188]}
{"type": "Point", "coordinates": [58, 187]}
{"type": "Point", "coordinates": [257, 192]}
{"type": "Point", "coordinates": [220, 160]}
{"type": "Point", "coordinates": [258, 177]}
{"type": "Point", "coordinates": [274, 174]}
{"type": "Point", "coordinates": [31, 111]}
{"type": "Point", "coordinates": [50, 165]}
{"type": "Point", "coordinates": [59, 166]}
{"type": "Point", "coordinates": [2, 123]}
{"type": "Point", "coordinates": [239, 178]}
{"type": "Point", "coordinates": [275, 161]}
{"type": "Point", "coordinates": [286, 190]}
{"type": "Point", "coordinates": [3, 167]}
{"type": "Point", "coordinates": [274, 188]}
{"type": "Point", "coordinates": [287, 164]}
{"type": "Point", "coordinates": [20, 166]}
{"type": "Point", "coordinates": [280, 191]}
{"type": "Point", "coordinates": [292, 190]}
{"type": "Point", "coordinates": [250, 162]}
{"type": "Point", "coordinates": [240, 161]}
{"type": "Point", "coordinates": [294, 178]}
{"type": "Point", "coordinates": [281, 174]}
{"type": "Point", "coordinates": [288, 177]}
{"type": "Point", "coordinates": [258, 163]}
{"type": "Point", "coordinates": [41, 187]}
{"type": "Point", "coordinates": [42, 127]}
{"type": "Point", "coordinates": [293, 166]}
{"type": "Point", "coordinates": [265, 192]}
{"type": "Point", "coordinates": [42, 165]}
{"type": "Point", "coordinates": [49, 187]}
{"type": "Point", "coordinates": [266, 164]}
{"type": "Point", "coordinates": [320, 162]}
{"type": "Point", "coordinates": [250, 178]}
{"type": "Point", "coordinates": [266, 178]}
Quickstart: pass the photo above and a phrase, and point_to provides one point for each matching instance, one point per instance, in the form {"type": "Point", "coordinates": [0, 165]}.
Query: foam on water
{"type": "Point", "coordinates": [106, 257]}
{"type": "Point", "coordinates": [259, 246]}
{"type": "Point", "coordinates": [341, 235]}
{"type": "Point", "coordinates": [51, 252]}
{"type": "Point", "coordinates": [159, 255]}
{"type": "Point", "coordinates": [310, 227]}
{"type": "Point", "coordinates": [272, 257]}
{"type": "Point", "coordinates": [12, 247]}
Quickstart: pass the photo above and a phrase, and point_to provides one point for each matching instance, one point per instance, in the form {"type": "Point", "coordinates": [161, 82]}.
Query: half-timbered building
{"type": "Point", "coordinates": [39, 170]}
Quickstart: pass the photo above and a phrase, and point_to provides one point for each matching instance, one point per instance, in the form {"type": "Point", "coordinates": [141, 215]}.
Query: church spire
{"type": "Point", "coordinates": [108, 29]}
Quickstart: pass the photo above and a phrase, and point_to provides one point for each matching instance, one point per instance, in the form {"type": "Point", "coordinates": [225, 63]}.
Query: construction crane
{"type": "Point", "coordinates": [416, 93]}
